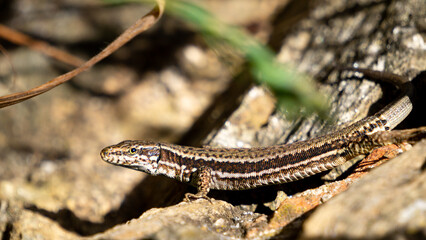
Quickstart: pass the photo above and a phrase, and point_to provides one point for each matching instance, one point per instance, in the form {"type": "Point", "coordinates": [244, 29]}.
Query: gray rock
{"type": "Point", "coordinates": [195, 220]}
{"type": "Point", "coordinates": [389, 202]}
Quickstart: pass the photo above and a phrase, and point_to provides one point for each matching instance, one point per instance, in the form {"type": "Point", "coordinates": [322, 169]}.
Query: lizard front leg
{"type": "Point", "coordinates": [201, 179]}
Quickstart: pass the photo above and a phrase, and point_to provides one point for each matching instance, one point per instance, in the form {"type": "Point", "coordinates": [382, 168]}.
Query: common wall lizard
{"type": "Point", "coordinates": [245, 168]}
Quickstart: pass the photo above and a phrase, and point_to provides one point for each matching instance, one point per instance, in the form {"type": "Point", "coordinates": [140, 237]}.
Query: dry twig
{"type": "Point", "coordinates": [140, 26]}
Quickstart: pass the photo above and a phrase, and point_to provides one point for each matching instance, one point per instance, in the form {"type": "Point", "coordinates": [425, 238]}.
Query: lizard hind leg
{"type": "Point", "coordinates": [202, 180]}
{"type": "Point", "coordinates": [339, 170]}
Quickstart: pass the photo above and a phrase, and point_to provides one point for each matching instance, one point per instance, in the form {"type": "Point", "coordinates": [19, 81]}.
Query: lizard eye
{"type": "Point", "coordinates": [132, 150]}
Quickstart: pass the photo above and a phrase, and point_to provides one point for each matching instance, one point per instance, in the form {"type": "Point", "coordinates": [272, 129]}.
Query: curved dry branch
{"type": "Point", "coordinates": [140, 26]}
{"type": "Point", "coordinates": [41, 46]}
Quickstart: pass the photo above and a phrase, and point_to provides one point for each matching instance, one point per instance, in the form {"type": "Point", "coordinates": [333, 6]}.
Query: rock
{"type": "Point", "coordinates": [388, 203]}
{"type": "Point", "coordinates": [194, 220]}
{"type": "Point", "coordinates": [18, 223]}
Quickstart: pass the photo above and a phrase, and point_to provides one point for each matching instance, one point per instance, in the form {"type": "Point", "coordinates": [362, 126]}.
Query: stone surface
{"type": "Point", "coordinates": [198, 219]}
{"type": "Point", "coordinates": [390, 202]}
{"type": "Point", "coordinates": [18, 223]}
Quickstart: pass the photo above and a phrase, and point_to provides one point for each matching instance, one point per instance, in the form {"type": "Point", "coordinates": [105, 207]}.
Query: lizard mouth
{"type": "Point", "coordinates": [106, 155]}
{"type": "Point", "coordinates": [112, 155]}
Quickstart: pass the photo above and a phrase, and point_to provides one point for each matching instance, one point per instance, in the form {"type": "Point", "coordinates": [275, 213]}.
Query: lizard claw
{"type": "Point", "coordinates": [189, 197]}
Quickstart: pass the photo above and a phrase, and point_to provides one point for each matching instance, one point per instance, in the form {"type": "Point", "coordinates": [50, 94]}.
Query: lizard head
{"type": "Point", "coordinates": [139, 155]}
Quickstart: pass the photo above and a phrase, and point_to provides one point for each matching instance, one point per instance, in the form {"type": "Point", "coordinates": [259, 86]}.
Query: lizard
{"type": "Point", "coordinates": [247, 168]}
